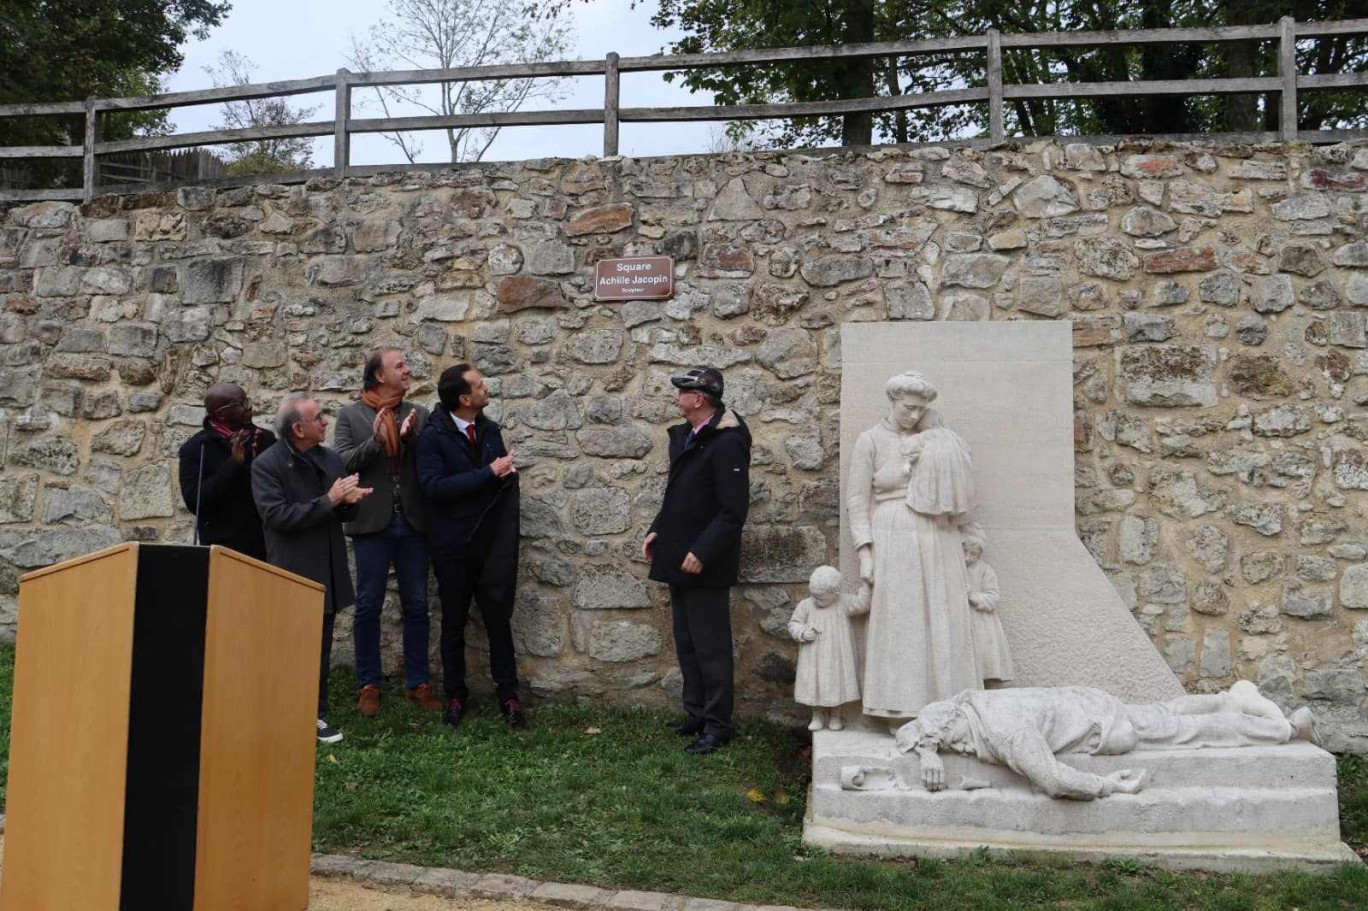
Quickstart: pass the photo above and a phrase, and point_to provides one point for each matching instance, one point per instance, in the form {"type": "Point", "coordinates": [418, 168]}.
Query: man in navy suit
{"type": "Point", "coordinates": [471, 490]}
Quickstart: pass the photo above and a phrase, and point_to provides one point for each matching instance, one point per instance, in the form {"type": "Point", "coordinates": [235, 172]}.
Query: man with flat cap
{"type": "Point", "coordinates": [694, 546]}
{"type": "Point", "coordinates": [216, 472]}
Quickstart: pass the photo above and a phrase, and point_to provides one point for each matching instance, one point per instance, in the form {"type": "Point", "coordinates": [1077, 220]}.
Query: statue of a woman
{"type": "Point", "coordinates": [910, 487]}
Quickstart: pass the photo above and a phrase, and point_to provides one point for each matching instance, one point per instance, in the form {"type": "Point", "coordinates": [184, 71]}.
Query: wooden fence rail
{"type": "Point", "coordinates": [995, 93]}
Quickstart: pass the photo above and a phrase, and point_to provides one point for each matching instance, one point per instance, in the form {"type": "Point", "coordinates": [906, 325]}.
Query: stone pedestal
{"type": "Point", "coordinates": [1252, 809]}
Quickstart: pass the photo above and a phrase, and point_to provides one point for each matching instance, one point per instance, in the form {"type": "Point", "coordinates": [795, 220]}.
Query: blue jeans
{"type": "Point", "coordinates": [405, 547]}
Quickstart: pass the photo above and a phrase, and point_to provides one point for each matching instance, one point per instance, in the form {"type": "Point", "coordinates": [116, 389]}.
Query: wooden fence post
{"type": "Point", "coordinates": [611, 98]}
{"type": "Point", "coordinates": [341, 114]}
{"type": "Point", "coordinates": [92, 136]}
{"type": "Point", "coordinates": [995, 130]}
{"type": "Point", "coordinates": [1287, 69]}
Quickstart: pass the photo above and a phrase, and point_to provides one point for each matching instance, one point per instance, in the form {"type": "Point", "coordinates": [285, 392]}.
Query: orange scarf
{"type": "Point", "coordinates": [389, 427]}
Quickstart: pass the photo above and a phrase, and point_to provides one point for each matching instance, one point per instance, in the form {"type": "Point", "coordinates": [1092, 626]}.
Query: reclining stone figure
{"type": "Point", "coordinates": [1025, 728]}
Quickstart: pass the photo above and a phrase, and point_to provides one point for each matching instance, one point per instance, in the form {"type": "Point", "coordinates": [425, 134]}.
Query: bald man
{"type": "Point", "coordinates": [216, 472]}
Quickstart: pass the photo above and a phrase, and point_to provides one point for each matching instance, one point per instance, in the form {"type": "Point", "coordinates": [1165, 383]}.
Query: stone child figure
{"type": "Point", "coordinates": [1026, 728]}
{"type": "Point", "coordinates": [827, 676]}
{"type": "Point", "coordinates": [990, 642]}
{"type": "Point", "coordinates": [910, 486]}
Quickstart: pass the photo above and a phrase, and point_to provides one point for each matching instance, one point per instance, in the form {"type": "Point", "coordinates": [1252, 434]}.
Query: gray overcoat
{"type": "Point", "coordinates": [303, 528]}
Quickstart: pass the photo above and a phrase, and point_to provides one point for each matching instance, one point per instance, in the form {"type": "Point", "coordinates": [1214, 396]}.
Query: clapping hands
{"type": "Point", "coordinates": [244, 444]}
{"type": "Point", "coordinates": [346, 491]}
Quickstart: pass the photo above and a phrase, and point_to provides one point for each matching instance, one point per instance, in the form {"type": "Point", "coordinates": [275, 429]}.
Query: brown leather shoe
{"type": "Point", "coordinates": [423, 697]}
{"type": "Point", "coordinates": [369, 703]}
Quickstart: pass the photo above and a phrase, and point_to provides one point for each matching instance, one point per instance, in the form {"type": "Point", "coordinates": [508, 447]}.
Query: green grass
{"type": "Point", "coordinates": [590, 794]}
{"type": "Point", "coordinates": [1353, 793]}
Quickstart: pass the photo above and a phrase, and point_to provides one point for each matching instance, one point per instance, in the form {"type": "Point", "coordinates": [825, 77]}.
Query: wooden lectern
{"type": "Point", "coordinates": [162, 743]}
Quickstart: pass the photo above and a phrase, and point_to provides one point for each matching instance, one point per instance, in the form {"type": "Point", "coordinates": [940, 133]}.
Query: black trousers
{"type": "Point", "coordinates": [703, 642]}
{"type": "Point", "coordinates": [458, 582]}
{"type": "Point", "coordinates": [328, 619]}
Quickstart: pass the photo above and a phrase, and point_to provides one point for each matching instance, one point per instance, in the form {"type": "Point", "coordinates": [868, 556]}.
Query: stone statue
{"type": "Point", "coordinates": [990, 641]}
{"type": "Point", "coordinates": [1025, 728]}
{"type": "Point", "coordinates": [827, 671]}
{"type": "Point", "coordinates": [910, 485]}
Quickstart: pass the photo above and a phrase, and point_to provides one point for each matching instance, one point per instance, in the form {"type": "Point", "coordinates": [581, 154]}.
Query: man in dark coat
{"type": "Point", "coordinates": [377, 438]}
{"type": "Point", "coordinates": [694, 545]}
{"type": "Point", "coordinates": [304, 497]}
{"type": "Point", "coordinates": [471, 486]}
{"type": "Point", "coordinates": [216, 472]}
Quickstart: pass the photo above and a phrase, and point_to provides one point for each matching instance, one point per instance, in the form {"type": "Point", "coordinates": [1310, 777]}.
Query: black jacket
{"type": "Point", "coordinates": [706, 500]}
{"type": "Point", "coordinates": [470, 512]}
{"type": "Point", "coordinates": [303, 529]}
{"type": "Point", "coordinates": [227, 513]}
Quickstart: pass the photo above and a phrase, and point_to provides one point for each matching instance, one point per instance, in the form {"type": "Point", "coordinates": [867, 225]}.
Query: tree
{"type": "Point", "coordinates": [447, 34]}
{"type": "Point", "coordinates": [262, 156]}
{"type": "Point", "coordinates": [725, 25]}
{"type": "Point", "coordinates": [68, 50]}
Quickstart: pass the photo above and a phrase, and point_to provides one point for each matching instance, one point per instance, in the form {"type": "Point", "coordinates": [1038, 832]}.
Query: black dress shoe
{"type": "Point", "coordinates": [707, 743]}
{"type": "Point", "coordinates": [691, 728]}
{"type": "Point", "coordinates": [455, 711]}
{"type": "Point", "coordinates": [512, 713]}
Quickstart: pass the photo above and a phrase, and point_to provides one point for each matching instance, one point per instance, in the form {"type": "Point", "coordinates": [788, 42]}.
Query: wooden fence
{"type": "Point", "coordinates": [343, 126]}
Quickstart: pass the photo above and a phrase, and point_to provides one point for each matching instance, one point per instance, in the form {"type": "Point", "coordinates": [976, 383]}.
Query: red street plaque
{"type": "Point", "coordinates": [636, 278]}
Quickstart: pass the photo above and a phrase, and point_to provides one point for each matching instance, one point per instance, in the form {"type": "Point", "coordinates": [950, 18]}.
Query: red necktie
{"type": "Point", "coordinates": [470, 432]}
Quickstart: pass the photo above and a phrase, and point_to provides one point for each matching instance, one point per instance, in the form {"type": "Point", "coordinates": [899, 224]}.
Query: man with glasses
{"type": "Point", "coordinates": [216, 472]}
{"type": "Point", "coordinates": [304, 497]}
{"type": "Point", "coordinates": [694, 546]}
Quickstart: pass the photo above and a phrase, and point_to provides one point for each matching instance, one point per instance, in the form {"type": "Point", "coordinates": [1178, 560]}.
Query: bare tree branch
{"type": "Point", "coordinates": [450, 34]}
{"type": "Point", "coordinates": [265, 156]}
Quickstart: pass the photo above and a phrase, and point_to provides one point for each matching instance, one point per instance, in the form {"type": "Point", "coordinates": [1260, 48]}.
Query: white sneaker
{"type": "Point", "coordinates": [327, 734]}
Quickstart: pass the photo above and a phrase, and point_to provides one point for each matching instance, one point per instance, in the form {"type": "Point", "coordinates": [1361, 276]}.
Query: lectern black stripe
{"type": "Point", "coordinates": [162, 793]}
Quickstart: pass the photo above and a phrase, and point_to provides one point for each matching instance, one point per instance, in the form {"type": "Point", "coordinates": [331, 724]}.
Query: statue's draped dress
{"type": "Point", "coordinates": [919, 644]}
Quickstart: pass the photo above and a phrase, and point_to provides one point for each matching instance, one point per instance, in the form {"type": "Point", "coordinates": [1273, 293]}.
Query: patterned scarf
{"type": "Point", "coordinates": [222, 429]}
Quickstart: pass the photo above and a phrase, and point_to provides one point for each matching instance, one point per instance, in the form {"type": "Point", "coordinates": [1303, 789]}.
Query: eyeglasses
{"type": "Point", "coordinates": [236, 403]}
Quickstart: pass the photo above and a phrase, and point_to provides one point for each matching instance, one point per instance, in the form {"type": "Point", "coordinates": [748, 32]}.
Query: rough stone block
{"type": "Point", "coordinates": [147, 493]}
{"type": "Point", "coordinates": [570, 895]}
{"type": "Point", "coordinates": [629, 900]}
{"type": "Point", "coordinates": [333, 865]}
{"type": "Point", "coordinates": [600, 220]}
{"type": "Point", "coordinates": [601, 511]}
{"type": "Point", "coordinates": [447, 883]}
{"type": "Point", "coordinates": [610, 591]}
{"type": "Point", "coordinates": [521, 292]}
{"type": "Point", "coordinates": [1171, 376]}
{"type": "Point", "coordinates": [17, 498]}
{"type": "Point", "coordinates": [1106, 256]}
{"type": "Point", "coordinates": [211, 281]}
{"type": "Point", "coordinates": [385, 873]}
{"type": "Point", "coordinates": [781, 553]}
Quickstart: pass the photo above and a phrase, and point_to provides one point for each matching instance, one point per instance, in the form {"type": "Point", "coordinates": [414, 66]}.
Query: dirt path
{"type": "Point", "coordinates": [328, 894]}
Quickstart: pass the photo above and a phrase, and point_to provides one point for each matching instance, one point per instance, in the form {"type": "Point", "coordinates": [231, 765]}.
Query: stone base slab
{"type": "Point", "coordinates": [1312, 857]}
{"type": "Point", "coordinates": [1252, 809]}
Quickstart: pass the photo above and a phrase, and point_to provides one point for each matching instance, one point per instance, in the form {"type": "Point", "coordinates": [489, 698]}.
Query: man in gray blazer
{"type": "Point", "coordinates": [375, 438]}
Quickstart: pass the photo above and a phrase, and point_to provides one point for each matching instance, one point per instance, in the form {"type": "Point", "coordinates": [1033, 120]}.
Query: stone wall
{"type": "Point", "coordinates": [1219, 296]}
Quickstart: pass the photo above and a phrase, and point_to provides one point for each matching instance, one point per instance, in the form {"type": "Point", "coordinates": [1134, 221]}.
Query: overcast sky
{"type": "Point", "coordinates": [297, 39]}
